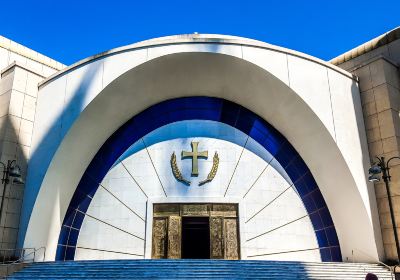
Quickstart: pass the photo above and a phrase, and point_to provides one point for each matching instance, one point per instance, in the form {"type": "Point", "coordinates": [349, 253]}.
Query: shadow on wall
{"type": "Point", "coordinates": [46, 147]}
{"type": "Point", "coordinates": [11, 149]}
{"type": "Point", "coordinates": [366, 160]}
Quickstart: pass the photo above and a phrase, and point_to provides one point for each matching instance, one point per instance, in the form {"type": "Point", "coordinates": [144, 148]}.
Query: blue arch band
{"type": "Point", "coordinates": [200, 108]}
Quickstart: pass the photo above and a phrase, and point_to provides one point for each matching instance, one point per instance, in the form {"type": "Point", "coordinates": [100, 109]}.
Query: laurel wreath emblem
{"type": "Point", "coordinates": [213, 171]}
{"type": "Point", "coordinates": [176, 172]}
{"type": "Point", "coordinates": [178, 175]}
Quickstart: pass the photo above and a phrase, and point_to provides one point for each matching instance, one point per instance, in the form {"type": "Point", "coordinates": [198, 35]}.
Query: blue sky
{"type": "Point", "coordinates": [71, 30]}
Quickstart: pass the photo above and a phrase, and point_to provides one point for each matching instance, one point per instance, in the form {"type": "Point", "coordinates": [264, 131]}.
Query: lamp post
{"type": "Point", "coordinates": [382, 167]}
{"type": "Point", "coordinates": [11, 169]}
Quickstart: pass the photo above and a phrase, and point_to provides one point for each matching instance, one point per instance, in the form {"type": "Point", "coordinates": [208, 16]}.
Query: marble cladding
{"type": "Point", "coordinates": [118, 222]}
{"type": "Point", "coordinates": [328, 93]}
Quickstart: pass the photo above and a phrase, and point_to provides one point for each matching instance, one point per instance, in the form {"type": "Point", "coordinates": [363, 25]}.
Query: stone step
{"type": "Point", "coordinates": [309, 270]}
{"type": "Point", "coordinates": [201, 265]}
{"type": "Point", "coordinates": [190, 261]}
{"type": "Point", "coordinates": [326, 270]}
{"type": "Point", "coordinates": [198, 269]}
{"type": "Point", "coordinates": [194, 274]}
{"type": "Point", "coordinates": [210, 276]}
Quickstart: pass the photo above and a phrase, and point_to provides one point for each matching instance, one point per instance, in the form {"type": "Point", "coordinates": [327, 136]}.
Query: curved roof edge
{"type": "Point", "coordinates": [195, 39]}
{"type": "Point", "coordinates": [375, 43]}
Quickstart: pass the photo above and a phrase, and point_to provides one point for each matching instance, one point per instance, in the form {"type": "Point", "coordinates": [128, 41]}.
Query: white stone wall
{"type": "Point", "coordinates": [312, 103]}
{"type": "Point", "coordinates": [119, 218]}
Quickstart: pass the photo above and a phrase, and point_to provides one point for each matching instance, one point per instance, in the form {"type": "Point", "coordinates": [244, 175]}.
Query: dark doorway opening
{"type": "Point", "coordinates": [195, 238]}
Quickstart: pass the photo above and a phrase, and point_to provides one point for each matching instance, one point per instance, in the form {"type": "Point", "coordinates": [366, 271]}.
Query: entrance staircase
{"type": "Point", "coordinates": [197, 269]}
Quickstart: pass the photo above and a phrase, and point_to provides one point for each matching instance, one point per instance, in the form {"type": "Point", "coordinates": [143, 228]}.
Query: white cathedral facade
{"type": "Point", "coordinates": [199, 146]}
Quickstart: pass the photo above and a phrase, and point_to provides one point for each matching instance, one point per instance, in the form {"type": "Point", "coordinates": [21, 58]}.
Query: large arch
{"type": "Point", "coordinates": [213, 75]}
{"type": "Point", "coordinates": [200, 108]}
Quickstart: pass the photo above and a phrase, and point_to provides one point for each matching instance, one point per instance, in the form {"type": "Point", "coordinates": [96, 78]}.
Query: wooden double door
{"type": "Point", "coordinates": [195, 231]}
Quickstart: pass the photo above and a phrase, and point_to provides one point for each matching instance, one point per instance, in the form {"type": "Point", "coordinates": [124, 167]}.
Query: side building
{"type": "Point", "coordinates": [21, 70]}
{"type": "Point", "coordinates": [376, 64]}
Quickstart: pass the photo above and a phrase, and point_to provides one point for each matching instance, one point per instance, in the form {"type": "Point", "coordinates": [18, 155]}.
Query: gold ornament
{"type": "Point", "coordinates": [176, 172]}
{"type": "Point", "coordinates": [213, 171]}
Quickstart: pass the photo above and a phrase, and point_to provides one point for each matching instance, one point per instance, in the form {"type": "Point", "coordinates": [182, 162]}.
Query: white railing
{"type": "Point", "coordinates": [24, 257]}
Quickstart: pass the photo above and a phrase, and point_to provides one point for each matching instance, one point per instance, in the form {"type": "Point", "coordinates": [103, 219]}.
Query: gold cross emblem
{"type": "Point", "coordinates": [195, 155]}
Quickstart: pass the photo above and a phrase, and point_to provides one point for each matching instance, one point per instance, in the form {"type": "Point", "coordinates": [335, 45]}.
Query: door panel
{"type": "Point", "coordinates": [231, 245]}
{"type": "Point", "coordinates": [159, 249]}
{"type": "Point", "coordinates": [216, 238]}
{"type": "Point", "coordinates": [174, 237]}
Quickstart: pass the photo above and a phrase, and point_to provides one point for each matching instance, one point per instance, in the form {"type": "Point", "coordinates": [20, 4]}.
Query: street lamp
{"type": "Point", "coordinates": [11, 169]}
{"type": "Point", "coordinates": [374, 176]}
